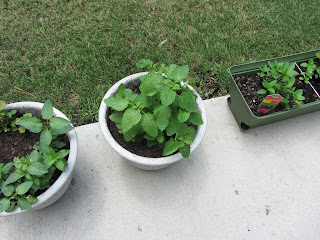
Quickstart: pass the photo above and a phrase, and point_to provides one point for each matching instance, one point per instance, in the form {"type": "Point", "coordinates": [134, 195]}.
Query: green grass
{"type": "Point", "coordinates": [73, 51]}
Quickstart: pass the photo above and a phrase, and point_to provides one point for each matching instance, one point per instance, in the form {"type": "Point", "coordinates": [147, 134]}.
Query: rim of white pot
{"type": "Point", "coordinates": [139, 160]}
{"type": "Point", "coordinates": [54, 189]}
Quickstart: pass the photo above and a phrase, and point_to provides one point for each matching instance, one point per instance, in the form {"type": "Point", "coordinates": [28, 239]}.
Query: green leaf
{"type": "Point", "coordinates": [31, 199]}
{"type": "Point", "coordinates": [37, 181]}
{"type": "Point", "coordinates": [24, 204]}
{"type": "Point", "coordinates": [130, 94]}
{"type": "Point", "coordinates": [186, 101]}
{"type": "Point", "coordinates": [62, 130]}
{"type": "Point", "coordinates": [142, 63]}
{"type": "Point", "coordinates": [13, 177]}
{"type": "Point", "coordinates": [58, 123]}
{"type": "Point", "coordinates": [149, 83]}
{"type": "Point", "coordinates": [18, 163]}
{"type": "Point", "coordinates": [148, 137]}
{"type": "Point", "coordinates": [132, 132]}
{"type": "Point", "coordinates": [149, 125]}
{"type": "Point", "coordinates": [28, 176]}
{"type": "Point", "coordinates": [62, 153]}
{"type": "Point", "coordinates": [185, 150]}
{"type": "Point", "coordinates": [12, 205]}
{"type": "Point", "coordinates": [318, 55]}
{"type": "Point", "coordinates": [116, 117]}
{"type": "Point", "coordinates": [130, 117]}
{"type": "Point", "coordinates": [2, 104]}
{"type": "Point", "coordinates": [292, 73]}
{"type": "Point", "coordinates": [21, 129]}
{"type": "Point", "coordinates": [6, 168]}
{"type": "Point", "coordinates": [196, 118]}
{"type": "Point", "coordinates": [4, 204]}
{"type": "Point", "coordinates": [186, 133]}
{"type": "Point", "coordinates": [45, 138]}
{"type": "Point", "coordinates": [160, 137]}
{"type": "Point", "coordinates": [171, 146]}
{"type": "Point", "coordinates": [33, 124]}
{"type": "Point", "coordinates": [23, 187]}
{"type": "Point", "coordinates": [58, 144]}
{"type": "Point", "coordinates": [61, 164]}
{"type": "Point", "coordinates": [47, 110]}
{"type": "Point", "coordinates": [183, 115]}
{"type": "Point", "coordinates": [173, 125]}
{"type": "Point", "coordinates": [37, 169]}
{"type": "Point", "coordinates": [36, 146]}
{"type": "Point", "coordinates": [49, 156]}
{"type": "Point", "coordinates": [117, 102]}
{"type": "Point", "coordinates": [177, 73]}
{"type": "Point", "coordinates": [7, 190]}
{"type": "Point", "coordinates": [271, 90]}
{"type": "Point", "coordinates": [266, 84]}
{"type": "Point", "coordinates": [121, 89]}
{"type": "Point", "coordinates": [162, 115]}
{"type": "Point", "coordinates": [262, 91]}
{"type": "Point", "coordinates": [167, 96]}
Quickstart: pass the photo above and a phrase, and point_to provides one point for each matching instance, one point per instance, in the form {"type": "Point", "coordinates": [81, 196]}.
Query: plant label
{"type": "Point", "coordinates": [269, 103]}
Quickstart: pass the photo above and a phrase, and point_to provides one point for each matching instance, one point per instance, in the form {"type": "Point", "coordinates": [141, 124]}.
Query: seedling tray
{"type": "Point", "coordinates": [240, 109]}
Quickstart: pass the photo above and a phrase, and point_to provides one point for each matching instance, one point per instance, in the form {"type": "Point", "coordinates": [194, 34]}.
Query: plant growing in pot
{"type": "Point", "coordinates": [155, 112]}
{"type": "Point", "coordinates": [279, 78]}
{"type": "Point", "coordinates": [40, 173]}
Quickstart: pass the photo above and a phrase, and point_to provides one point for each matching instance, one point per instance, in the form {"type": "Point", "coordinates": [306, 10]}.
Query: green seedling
{"type": "Point", "coordinates": [311, 71]}
{"type": "Point", "coordinates": [162, 113]}
{"type": "Point", "coordinates": [23, 177]}
{"type": "Point", "coordinates": [279, 78]}
{"type": "Point", "coordinates": [8, 120]}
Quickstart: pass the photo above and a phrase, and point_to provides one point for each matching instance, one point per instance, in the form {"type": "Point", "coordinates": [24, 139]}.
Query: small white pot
{"type": "Point", "coordinates": [62, 183]}
{"type": "Point", "coordinates": [145, 163]}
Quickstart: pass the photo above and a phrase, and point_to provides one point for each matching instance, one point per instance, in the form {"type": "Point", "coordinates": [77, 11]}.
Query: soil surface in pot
{"type": "Point", "coordinates": [249, 84]}
{"type": "Point", "coordinates": [16, 144]}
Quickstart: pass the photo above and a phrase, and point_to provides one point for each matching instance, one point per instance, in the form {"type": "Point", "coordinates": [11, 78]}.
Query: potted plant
{"type": "Point", "coordinates": [285, 76]}
{"type": "Point", "coordinates": [154, 118]}
{"type": "Point", "coordinates": [39, 178]}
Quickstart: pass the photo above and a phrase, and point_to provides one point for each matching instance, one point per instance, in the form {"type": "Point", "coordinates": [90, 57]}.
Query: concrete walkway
{"type": "Point", "coordinates": [261, 184]}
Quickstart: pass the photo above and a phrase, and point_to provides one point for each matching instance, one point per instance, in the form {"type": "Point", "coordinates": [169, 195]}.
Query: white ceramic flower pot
{"type": "Point", "coordinates": [145, 163]}
{"type": "Point", "coordinates": [62, 183]}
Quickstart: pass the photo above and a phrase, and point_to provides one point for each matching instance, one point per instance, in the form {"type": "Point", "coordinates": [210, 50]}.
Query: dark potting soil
{"type": "Point", "coordinates": [16, 144]}
{"type": "Point", "coordinates": [140, 149]}
{"type": "Point", "coordinates": [251, 83]}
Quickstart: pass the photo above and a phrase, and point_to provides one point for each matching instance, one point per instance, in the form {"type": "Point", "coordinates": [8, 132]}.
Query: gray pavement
{"type": "Point", "coordinates": [260, 184]}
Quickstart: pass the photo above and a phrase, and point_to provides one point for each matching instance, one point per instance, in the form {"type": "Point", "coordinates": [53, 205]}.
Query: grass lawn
{"type": "Point", "coordinates": [73, 51]}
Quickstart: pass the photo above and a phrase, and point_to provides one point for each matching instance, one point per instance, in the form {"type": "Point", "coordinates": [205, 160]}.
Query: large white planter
{"type": "Point", "coordinates": [145, 163]}
{"type": "Point", "coordinates": [62, 183]}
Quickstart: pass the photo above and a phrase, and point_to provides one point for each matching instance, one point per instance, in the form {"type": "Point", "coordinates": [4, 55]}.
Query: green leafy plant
{"type": "Point", "coordinates": [279, 78]}
{"type": "Point", "coordinates": [164, 112]}
{"type": "Point", "coordinates": [311, 70]}
{"type": "Point", "coordinates": [23, 177]}
{"type": "Point", "coordinates": [8, 120]}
